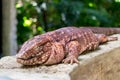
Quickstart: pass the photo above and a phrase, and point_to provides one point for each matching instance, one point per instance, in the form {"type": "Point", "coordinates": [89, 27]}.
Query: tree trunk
{"type": "Point", "coordinates": [9, 27]}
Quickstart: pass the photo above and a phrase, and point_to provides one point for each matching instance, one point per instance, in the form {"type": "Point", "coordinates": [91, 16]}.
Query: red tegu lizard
{"type": "Point", "coordinates": [63, 45]}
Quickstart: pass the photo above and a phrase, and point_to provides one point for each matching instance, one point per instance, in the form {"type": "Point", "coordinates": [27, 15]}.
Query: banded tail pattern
{"type": "Point", "coordinates": [106, 31]}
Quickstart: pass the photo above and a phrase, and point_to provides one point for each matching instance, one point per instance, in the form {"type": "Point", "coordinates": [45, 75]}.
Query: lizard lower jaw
{"type": "Point", "coordinates": [30, 61]}
{"type": "Point", "coordinates": [33, 60]}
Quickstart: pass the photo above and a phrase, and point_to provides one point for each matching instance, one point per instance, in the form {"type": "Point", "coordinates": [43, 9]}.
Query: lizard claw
{"type": "Point", "coordinates": [71, 60]}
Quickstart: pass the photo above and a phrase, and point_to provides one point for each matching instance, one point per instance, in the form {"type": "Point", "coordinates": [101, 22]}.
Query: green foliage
{"type": "Point", "coordinates": [39, 16]}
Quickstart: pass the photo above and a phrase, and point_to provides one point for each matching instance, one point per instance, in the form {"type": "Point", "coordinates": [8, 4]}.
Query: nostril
{"type": "Point", "coordinates": [22, 55]}
{"type": "Point", "coordinates": [18, 55]}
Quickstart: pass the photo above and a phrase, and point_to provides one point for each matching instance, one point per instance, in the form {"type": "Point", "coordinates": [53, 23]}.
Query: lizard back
{"type": "Point", "coordinates": [85, 37]}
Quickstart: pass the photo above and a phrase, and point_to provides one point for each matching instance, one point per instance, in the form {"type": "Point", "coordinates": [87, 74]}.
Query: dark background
{"type": "Point", "coordinates": [1, 28]}
{"type": "Point", "coordinates": [62, 13]}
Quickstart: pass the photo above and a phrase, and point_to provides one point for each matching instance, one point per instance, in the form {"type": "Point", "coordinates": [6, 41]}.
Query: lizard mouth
{"type": "Point", "coordinates": [29, 58]}
{"type": "Point", "coordinates": [38, 58]}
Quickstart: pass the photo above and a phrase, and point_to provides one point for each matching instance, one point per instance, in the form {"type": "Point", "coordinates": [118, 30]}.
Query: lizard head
{"type": "Point", "coordinates": [34, 51]}
{"type": "Point", "coordinates": [40, 50]}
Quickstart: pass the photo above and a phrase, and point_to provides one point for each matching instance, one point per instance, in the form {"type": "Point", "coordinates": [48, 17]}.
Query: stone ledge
{"type": "Point", "coordinates": [102, 67]}
{"type": "Point", "coordinates": [96, 65]}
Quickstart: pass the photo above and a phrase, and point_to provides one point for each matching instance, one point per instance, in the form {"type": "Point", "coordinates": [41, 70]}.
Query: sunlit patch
{"type": "Point", "coordinates": [39, 28]}
{"type": "Point", "coordinates": [44, 6]}
{"type": "Point", "coordinates": [90, 4]}
{"type": "Point", "coordinates": [27, 22]}
{"type": "Point", "coordinates": [19, 4]}
{"type": "Point", "coordinates": [94, 17]}
{"type": "Point", "coordinates": [34, 3]}
{"type": "Point", "coordinates": [117, 0]}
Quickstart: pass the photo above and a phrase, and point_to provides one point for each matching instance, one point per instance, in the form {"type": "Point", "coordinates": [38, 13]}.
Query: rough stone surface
{"type": "Point", "coordinates": [103, 67]}
{"type": "Point", "coordinates": [101, 64]}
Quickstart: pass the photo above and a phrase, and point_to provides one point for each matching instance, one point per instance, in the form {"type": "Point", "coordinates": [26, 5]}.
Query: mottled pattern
{"type": "Point", "coordinates": [106, 31]}
{"type": "Point", "coordinates": [62, 45]}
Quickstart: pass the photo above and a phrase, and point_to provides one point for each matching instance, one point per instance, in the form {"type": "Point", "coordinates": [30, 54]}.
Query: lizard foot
{"type": "Point", "coordinates": [71, 60]}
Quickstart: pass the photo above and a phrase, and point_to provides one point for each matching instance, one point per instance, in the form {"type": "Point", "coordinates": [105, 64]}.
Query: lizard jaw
{"type": "Point", "coordinates": [39, 58]}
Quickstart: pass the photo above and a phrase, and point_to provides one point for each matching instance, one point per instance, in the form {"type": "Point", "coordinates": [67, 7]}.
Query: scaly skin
{"type": "Point", "coordinates": [62, 45]}
{"type": "Point", "coordinates": [106, 31]}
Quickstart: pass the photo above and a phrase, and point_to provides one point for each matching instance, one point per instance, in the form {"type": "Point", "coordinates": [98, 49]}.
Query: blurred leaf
{"type": "Point", "coordinates": [40, 29]}
{"type": "Point", "coordinates": [27, 22]}
{"type": "Point", "coordinates": [39, 16]}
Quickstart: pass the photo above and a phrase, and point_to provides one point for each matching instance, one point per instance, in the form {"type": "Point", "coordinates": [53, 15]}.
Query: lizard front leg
{"type": "Point", "coordinates": [73, 50]}
{"type": "Point", "coordinates": [56, 54]}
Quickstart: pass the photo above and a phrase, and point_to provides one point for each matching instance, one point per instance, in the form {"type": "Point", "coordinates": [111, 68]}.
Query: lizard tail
{"type": "Point", "coordinates": [106, 31]}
